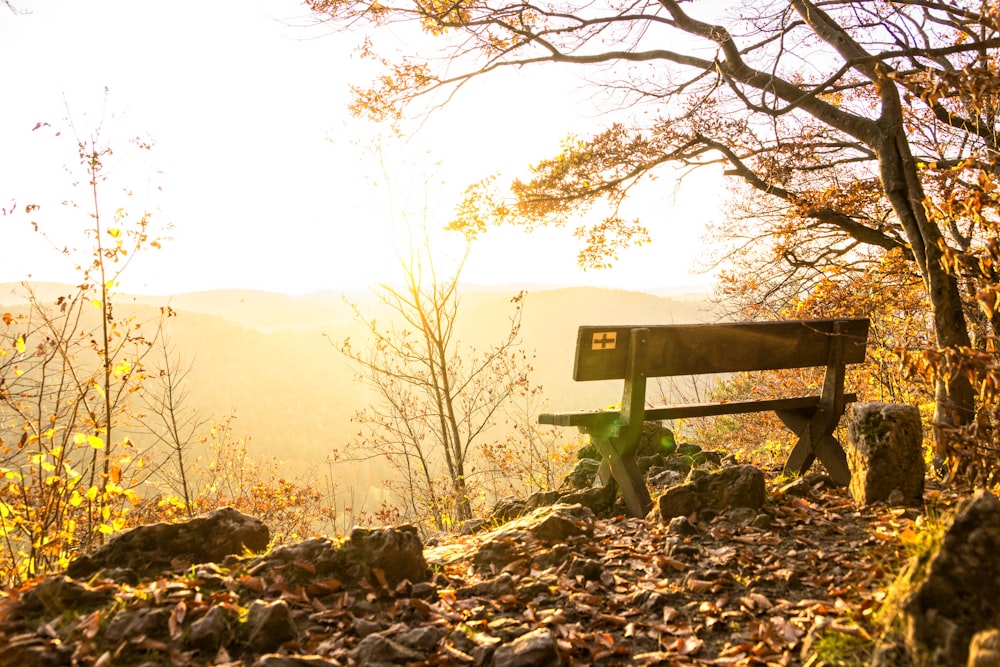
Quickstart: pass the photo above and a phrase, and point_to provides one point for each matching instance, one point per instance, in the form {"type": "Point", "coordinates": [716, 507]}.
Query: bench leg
{"type": "Point", "coordinates": [834, 460]}
{"type": "Point", "coordinates": [831, 454]}
{"type": "Point", "coordinates": [626, 473]}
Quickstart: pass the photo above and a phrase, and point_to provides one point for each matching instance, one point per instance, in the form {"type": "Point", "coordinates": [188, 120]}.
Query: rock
{"type": "Point", "coordinates": [665, 478]}
{"type": "Point", "coordinates": [542, 499]}
{"type": "Point", "coordinates": [655, 438]}
{"type": "Point", "coordinates": [502, 584]}
{"type": "Point", "coordinates": [210, 631]}
{"type": "Point", "coordinates": [396, 552]}
{"type": "Point", "coordinates": [583, 474]}
{"type": "Point", "coordinates": [885, 452]}
{"type": "Point", "coordinates": [269, 625]}
{"type": "Point", "coordinates": [35, 652]}
{"type": "Point", "coordinates": [424, 639]}
{"type": "Point", "coordinates": [363, 627]}
{"type": "Point", "coordinates": [534, 649]}
{"type": "Point", "coordinates": [151, 622]}
{"type": "Point", "coordinates": [984, 649]}
{"type": "Point", "coordinates": [380, 649]}
{"type": "Point", "coordinates": [472, 526]}
{"type": "Point", "coordinates": [680, 525]}
{"type": "Point", "coordinates": [59, 593]}
{"type": "Point", "coordinates": [494, 554]}
{"type": "Point", "coordinates": [173, 546]}
{"type": "Point", "coordinates": [274, 660]}
{"type": "Point", "coordinates": [599, 499]}
{"type": "Point", "coordinates": [955, 588]}
{"type": "Point", "coordinates": [588, 569]}
{"type": "Point", "coordinates": [515, 540]}
{"type": "Point", "coordinates": [425, 590]}
{"type": "Point", "coordinates": [507, 509]}
{"type": "Point", "coordinates": [741, 515]}
{"type": "Point", "coordinates": [736, 486]}
{"type": "Point", "coordinates": [680, 500]}
{"type": "Point", "coordinates": [551, 524]}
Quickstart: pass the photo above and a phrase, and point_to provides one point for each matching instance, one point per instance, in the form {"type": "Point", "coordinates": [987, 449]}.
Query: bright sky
{"type": "Point", "coordinates": [265, 177]}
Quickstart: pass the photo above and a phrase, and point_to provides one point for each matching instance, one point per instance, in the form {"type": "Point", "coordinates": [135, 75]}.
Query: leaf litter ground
{"type": "Point", "coordinates": [736, 588]}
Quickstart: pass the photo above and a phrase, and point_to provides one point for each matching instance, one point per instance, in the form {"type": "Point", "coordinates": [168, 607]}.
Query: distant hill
{"type": "Point", "coordinates": [267, 359]}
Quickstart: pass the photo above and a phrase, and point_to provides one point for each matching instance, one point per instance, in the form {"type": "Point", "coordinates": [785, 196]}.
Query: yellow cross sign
{"type": "Point", "coordinates": [604, 340]}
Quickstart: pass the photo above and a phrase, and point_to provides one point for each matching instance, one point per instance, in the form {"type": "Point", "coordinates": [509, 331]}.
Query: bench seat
{"type": "Point", "coordinates": [690, 410]}
{"type": "Point", "coordinates": [637, 353]}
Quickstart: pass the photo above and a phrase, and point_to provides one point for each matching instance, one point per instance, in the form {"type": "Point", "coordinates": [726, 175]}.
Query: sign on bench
{"type": "Point", "coordinates": [635, 354]}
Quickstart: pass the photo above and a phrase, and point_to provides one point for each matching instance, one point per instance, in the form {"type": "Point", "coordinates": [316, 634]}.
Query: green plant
{"type": "Point", "coordinates": [840, 649]}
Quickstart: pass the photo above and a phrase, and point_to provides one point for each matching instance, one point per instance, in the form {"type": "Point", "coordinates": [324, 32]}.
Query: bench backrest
{"type": "Point", "coordinates": [602, 352]}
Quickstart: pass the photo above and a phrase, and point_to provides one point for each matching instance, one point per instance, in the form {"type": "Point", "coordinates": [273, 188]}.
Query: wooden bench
{"type": "Point", "coordinates": [636, 353]}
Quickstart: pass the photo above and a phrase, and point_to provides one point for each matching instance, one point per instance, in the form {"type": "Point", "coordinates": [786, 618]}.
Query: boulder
{"type": "Point", "coordinates": [598, 499]}
{"type": "Point", "coordinates": [735, 486]}
{"type": "Point", "coordinates": [535, 649]}
{"type": "Point", "coordinates": [210, 631]}
{"type": "Point", "coordinates": [518, 539]}
{"type": "Point", "coordinates": [269, 625]}
{"type": "Point", "coordinates": [368, 555]}
{"type": "Point", "coordinates": [159, 547]}
{"type": "Point", "coordinates": [885, 453]}
{"type": "Point", "coordinates": [396, 552]}
{"type": "Point", "coordinates": [954, 589]}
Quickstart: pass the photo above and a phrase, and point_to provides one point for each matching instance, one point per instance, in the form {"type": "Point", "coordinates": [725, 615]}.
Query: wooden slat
{"type": "Point", "coordinates": [695, 349]}
{"type": "Point", "coordinates": [686, 411]}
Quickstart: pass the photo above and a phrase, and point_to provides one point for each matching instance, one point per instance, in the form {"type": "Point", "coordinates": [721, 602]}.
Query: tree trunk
{"type": "Point", "coordinates": [955, 397]}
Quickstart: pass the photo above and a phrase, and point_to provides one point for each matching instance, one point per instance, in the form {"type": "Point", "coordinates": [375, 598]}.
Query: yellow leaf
{"type": "Point", "coordinates": [123, 368]}
{"type": "Point", "coordinates": [106, 529]}
{"type": "Point", "coordinates": [114, 232]}
{"type": "Point", "coordinates": [76, 499]}
{"type": "Point", "coordinates": [20, 345]}
{"type": "Point", "coordinates": [96, 303]}
{"type": "Point", "coordinates": [92, 493]}
{"type": "Point", "coordinates": [95, 442]}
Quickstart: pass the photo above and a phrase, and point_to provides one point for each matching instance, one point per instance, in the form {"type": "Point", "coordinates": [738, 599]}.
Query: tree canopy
{"type": "Point", "coordinates": [860, 125]}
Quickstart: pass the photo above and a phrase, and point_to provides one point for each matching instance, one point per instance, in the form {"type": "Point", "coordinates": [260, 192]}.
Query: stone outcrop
{"type": "Point", "coordinates": [173, 546]}
{"type": "Point", "coordinates": [955, 588]}
{"type": "Point", "coordinates": [376, 556]}
{"type": "Point", "coordinates": [885, 454]}
{"type": "Point", "coordinates": [735, 486]}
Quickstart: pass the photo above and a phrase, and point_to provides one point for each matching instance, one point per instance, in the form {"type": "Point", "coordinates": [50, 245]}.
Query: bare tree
{"type": "Point", "coordinates": [433, 398]}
